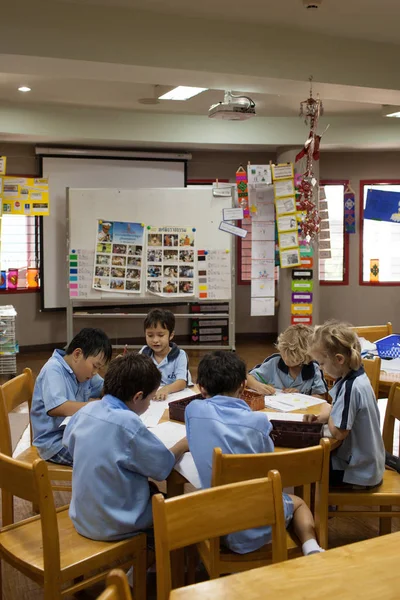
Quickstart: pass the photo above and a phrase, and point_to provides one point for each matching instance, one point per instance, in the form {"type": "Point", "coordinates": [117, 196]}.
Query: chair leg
{"type": "Point", "coordinates": [385, 523]}
{"type": "Point", "coordinates": [139, 575]}
{"type": "Point", "coordinates": [192, 560]}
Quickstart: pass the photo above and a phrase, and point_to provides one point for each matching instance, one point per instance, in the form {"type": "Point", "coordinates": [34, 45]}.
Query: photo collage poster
{"type": "Point", "coordinates": [170, 261]}
{"type": "Point", "coordinates": [118, 257]}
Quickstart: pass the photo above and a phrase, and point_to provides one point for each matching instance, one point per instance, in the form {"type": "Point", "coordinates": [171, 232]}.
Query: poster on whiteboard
{"type": "Point", "coordinates": [118, 257]}
{"type": "Point", "coordinates": [170, 260]}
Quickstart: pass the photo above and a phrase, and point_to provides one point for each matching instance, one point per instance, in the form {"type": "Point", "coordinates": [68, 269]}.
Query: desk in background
{"type": "Point", "coordinates": [367, 570]}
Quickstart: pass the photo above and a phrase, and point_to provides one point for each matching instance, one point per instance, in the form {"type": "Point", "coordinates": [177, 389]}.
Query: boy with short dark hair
{"type": "Point", "coordinates": [65, 384]}
{"type": "Point", "coordinates": [173, 363]}
{"type": "Point", "coordinates": [223, 420]}
{"type": "Point", "coordinates": [114, 454]}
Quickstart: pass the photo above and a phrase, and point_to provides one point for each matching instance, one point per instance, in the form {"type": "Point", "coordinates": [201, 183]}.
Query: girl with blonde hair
{"type": "Point", "coordinates": [353, 417]}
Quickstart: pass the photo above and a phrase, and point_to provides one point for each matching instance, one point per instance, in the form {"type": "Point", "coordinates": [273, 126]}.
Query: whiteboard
{"type": "Point", "coordinates": [66, 172]}
{"type": "Point", "coordinates": [155, 207]}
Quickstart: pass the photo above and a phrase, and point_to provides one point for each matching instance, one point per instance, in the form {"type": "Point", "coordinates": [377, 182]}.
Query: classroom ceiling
{"type": "Point", "coordinates": [373, 20]}
{"type": "Point", "coordinates": [90, 62]}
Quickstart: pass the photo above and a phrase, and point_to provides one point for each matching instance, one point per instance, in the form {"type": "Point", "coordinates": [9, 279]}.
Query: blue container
{"type": "Point", "coordinates": [389, 346]}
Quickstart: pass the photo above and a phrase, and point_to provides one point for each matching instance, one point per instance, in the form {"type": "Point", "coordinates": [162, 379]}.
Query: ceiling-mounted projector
{"type": "Point", "coordinates": [233, 108]}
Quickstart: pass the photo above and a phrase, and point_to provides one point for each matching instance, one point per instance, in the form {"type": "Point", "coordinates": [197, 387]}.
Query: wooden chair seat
{"type": "Point", "coordinates": [117, 587]}
{"type": "Point", "coordinates": [56, 472]}
{"type": "Point", "coordinates": [75, 550]}
{"type": "Point", "coordinates": [263, 555]}
{"type": "Point", "coordinates": [378, 496]}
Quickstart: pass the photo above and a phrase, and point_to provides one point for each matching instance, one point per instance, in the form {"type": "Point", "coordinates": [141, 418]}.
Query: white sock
{"type": "Point", "coordinates": [311, 547]}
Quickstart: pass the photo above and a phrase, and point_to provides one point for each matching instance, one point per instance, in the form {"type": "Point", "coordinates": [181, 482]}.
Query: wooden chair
{"type": "Point", "coordinates": [373, 370]}
{"type": "Point", "coordinates": [384, 496]}
{"type": "Point", "coordinates": [373, 332]}
{"type": "Point", "coordinates": [117, 587]}
{"type": "Point", "coordinates": [47, 548]}
{"type": "Point", "coordinates": [13, 393]}
{"type": "Point", "coordinates": [188, 519]}
{"type": "Point", "coordinates": [299, 468]}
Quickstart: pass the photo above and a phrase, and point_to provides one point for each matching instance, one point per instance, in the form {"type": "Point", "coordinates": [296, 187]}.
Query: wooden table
{"type": "Point", "coordinates": [176, 481]}
{"type": "Point", "coordinates": [386, 380]}
{"type": "Point", "coordinates": [367, 570]}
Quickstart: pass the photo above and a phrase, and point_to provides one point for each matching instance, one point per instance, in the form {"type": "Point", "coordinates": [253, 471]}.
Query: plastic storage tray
{"type": "Point", "coordinates": [177, 407]}
{"type": "Point", "coordinates": [389, 346]}
{"type": "Point", "coordinates": [295, 434]}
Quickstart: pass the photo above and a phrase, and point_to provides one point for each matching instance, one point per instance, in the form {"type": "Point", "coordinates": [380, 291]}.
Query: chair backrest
{"type": "Point", "coordinates": [117, 587]}
{"type": "Point", "coordinates": [374, 332]}
{"type": "Point", "coordinates": [214, 512]}
{"type": "Point", "coordinates": [297, 468]}
{"type": "Point", "coordinates": [373, 370]}
{"type": "Point", "coordinates": [392, 414]}
{"type": "Point", "coordinates": [31, 482]}
{"type": "Point", "coordinates": [13, 393]}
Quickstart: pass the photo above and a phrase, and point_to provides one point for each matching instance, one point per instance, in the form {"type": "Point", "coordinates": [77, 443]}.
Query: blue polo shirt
{"type": "Point", "coordinates": [275, 372]}
{"type": "Point", "coordinates": [174, 366]}
{"type": "Point", "coordinates": [114, 454]}
{"type": "Point", "coordinates": [229, 423]}
{"type": "Point", "coordinates": [56, 384]}
{"type": "Point", "coordinates": [362, 454]}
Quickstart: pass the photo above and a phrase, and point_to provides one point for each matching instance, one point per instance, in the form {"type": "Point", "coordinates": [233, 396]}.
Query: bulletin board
{"type": "Point", "coordinates": [197, 209]}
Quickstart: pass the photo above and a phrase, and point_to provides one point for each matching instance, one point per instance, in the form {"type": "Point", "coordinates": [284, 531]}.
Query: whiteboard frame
{"type": "Point", "coordinates": [151, 299]}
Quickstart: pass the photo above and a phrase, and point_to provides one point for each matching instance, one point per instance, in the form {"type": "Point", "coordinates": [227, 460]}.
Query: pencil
{"type": "Point", "coordinates": [262, 378]}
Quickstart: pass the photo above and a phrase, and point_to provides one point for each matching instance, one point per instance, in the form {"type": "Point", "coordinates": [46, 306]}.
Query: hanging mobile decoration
{"type": "Point", "coordinates": [311, 109]}
{"type": "Point", "coordinates": [243, 196]}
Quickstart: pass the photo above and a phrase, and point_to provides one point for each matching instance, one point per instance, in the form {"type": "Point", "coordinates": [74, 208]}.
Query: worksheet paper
{"type": "Point", "coordinates": [284, 416]}
{"type": "Point", "coordinates": [170, 433]}
{"type": "Point", "coordinates": [153, 414]}
{"type": "Point", "coordinates": [289, 402]}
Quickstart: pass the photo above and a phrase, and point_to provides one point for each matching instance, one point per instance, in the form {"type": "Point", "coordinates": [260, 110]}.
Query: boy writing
{"type": "Point", "coordinates": [65, 384]}
{"type": "Point", "coordinates": [292, 370]}
{"type": "Point", "coordinates": [224, 421]}
{"type": "Point", "coordinates": [173, 363]}
{"type": "Point", "coordinates": [114, 454]}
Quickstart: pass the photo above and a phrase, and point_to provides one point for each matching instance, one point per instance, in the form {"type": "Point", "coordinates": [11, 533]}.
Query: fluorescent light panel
{"type": "Point", "coordinates": [395, 114]}
{"type": "Point", "coordinates": [182, 92]}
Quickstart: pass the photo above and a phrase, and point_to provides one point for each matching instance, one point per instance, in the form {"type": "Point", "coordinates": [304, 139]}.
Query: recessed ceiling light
{"type": "Point", "coordinates": [24, 88]}
{"type": "Point", "coordinates": [182, 92]}
{"type": "Point", "coordinates": [395, 114]}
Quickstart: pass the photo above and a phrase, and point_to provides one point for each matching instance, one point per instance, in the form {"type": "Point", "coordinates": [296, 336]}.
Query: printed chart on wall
{"type": "Point", "coordinates": [214, 273]}
{"type": "Point", "coordinates": [80, 272]}
{"type": "Point", "coordinates": [170, 261]}
{"type": "Point", "coordinates": [26, 196]}
{"type": "Point", "coordinates": [262, 254]}
{"type": "Point", "coordinates": [118, 257]}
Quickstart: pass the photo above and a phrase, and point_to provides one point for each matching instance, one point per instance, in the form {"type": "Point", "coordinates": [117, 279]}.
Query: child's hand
{"type": "Point", "coordinates": [160, 395]}
{"type": "Point", "coordinates": [267, 390]}
{"type": "Point", "coordinates": [290, 391]}
{"type": "Point", "coordinates": [310, 419]}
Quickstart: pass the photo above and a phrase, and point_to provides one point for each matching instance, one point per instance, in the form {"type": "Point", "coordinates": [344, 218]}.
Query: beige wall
{"type": "Point", "coordinates": [354, 303]}
{"type": "Point", "coordinates": [360, 305]}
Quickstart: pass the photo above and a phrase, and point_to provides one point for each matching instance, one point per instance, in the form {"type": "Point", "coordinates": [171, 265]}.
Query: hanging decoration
{"type": "Point", "coordinates": [349, 209]}
{"type": "Point", "coordinates": [307, 187]}
{"type": "Point", "coordinates": [243, 195]}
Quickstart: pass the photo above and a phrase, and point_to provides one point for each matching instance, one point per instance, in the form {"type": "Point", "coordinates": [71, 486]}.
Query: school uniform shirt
{"type": "Point", "coordinates": [362, 454]}
{"type": "Point", "coordinates": [56, 384]}
{"type": "Point", "coordinates": [229, 423]}
{"type": "Point", "coordinates": [274, 371]}
{"type": "Point", "coordinates": [174, 366]}
{"type": "Point", "coordinates": [114, 454]}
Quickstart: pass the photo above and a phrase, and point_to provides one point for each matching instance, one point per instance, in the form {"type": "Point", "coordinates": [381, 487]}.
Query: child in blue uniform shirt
{"type": "Point", "coordinates": [353, 416]}
{"type": "Point", "coordinates": [223, 420]}
{"type": "Point", "coordinates": [65, 384]}
{"type": "Point", "coordinates": [114, 454]}
{"type": "Point", "coordinates": [292, 370]}
{"type": "Point", "coordinates": [173, 363]}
